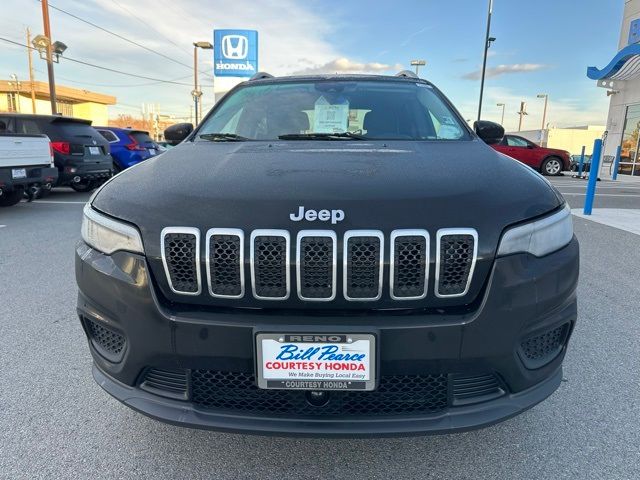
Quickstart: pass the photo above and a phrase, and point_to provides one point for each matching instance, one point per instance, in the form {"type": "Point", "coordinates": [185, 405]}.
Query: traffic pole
{"type": "Point", "coordinates": [581, 163]}
{"type": "Point", "coordinates": [616, 163]}
{"type": "Point", "coordinates": [593, 176]}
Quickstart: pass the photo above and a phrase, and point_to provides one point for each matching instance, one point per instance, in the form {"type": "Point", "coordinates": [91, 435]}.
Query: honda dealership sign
{"type": "Point", "coordinates": [235, 53]}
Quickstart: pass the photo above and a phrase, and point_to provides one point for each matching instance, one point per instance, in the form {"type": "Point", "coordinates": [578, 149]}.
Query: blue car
{"type": "Point", "coordinates": [128, 146]}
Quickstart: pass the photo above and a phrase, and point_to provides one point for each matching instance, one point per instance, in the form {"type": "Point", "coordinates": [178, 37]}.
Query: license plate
{"type": "Point", "coordinates": [19, 173]}
{"type": "Point", "coordinates": [94, 150]}
{"type": "Point", "coordinates": [316, 361]}
{"type": "Point", "coordinates": [152, 151]}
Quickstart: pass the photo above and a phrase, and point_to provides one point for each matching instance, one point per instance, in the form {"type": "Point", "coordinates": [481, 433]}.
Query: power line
{"type": "Point", "coordinates": [122, 37]}
{"type": "Point", "coordinates": [148, 25]}
{"type": "Point", "coordinates": [66, 79]}
{"type": "Point", "coordinates": [128, 40]}
{"type": "Point", "coordinates": [82, 62]}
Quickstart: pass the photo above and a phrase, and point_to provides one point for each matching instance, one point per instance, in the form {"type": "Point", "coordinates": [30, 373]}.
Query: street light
{"type": "Point", "coordinates": [501, 105]}
{"type": "Point", "coordinates": [544, 113]}
{"type": "Point", "coordinates": [418, 64]}
{"type": "Point", "coordinates": [196, 93]}
{"type": "Point", "coordinates": [487, 44]}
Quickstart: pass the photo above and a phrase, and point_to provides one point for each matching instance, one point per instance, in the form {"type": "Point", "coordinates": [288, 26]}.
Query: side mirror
{"type": "Point", "coordinates": [177, 133]}
{"type": "Point", "coordinates": [489, 132]}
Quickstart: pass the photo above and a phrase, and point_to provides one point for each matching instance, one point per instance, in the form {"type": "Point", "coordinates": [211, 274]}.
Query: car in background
{"type": "Point", "coordinates": [163, 146]}
{"type": "Point", "coordinates": [80, 153]}
{"type": "Point", "coordinates": [575, 162]}
{"type": "Point", "coordinates": [128, 146]}
{"type": "Point", "coordinates": [26, 166]}
{"type": "Point", "coordinates": [547, 161]}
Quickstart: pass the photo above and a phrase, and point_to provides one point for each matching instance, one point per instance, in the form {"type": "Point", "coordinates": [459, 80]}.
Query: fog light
{"type": "Point", "coordinates": [76, 179]}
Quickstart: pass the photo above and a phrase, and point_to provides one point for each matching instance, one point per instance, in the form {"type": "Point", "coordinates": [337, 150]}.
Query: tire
{"type": "Point", "coordinates": [12, 198]}
{"type": "Point", "coordinates": [551, 167]}
{"type": "Point", "coordinates": [83, 187]}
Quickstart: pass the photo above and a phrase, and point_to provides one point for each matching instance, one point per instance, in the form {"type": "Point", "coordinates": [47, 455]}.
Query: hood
{"type": "Point", "coordinates": [378, 185]}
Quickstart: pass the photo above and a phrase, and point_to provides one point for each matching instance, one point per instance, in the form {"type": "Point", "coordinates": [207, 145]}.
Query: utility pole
{"type": "Point", "coordinates": [47, 33]}
{"type": "Point", "coordinates": [501, 105]}
{"type": "Point", "coordinates": [487, 44]}
{"type": "Point", "coordinates": [544, 114]}
{"type": "Point", "coordinates": [522, 113]}
{"type": "Point", "coordinates": [32, 86]}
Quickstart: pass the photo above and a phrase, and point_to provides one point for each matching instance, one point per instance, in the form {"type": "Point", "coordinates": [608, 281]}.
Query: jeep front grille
{"type": "Point", "coordinates": [456, 254]}
{"type": "Point", "coordinates": [316, 258]}
{"type": "Point", "coordinates": [270, 264]}
{"type": "Point", "coordinates": [363, 264]}
{"type": "Point", "coordinates": [225, 262]}
{"type": "Point", "coordinates": [409, 264]}
{"type": "Point", "coordinates": [316, 265]}
{"type": "Point", "coordinates": [180, 256]}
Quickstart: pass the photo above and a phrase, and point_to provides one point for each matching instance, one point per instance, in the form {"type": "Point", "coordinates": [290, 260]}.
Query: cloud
{"type": "Point", "coordinates": [588, 107]}
{"type": "Point", "coordinates": [344, 65]}
{"type": "Point", "coordinates": [504, 70]}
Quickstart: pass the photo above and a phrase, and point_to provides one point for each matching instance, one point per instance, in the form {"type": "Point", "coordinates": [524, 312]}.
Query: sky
{"type": "Point", "coordinates": [542, 46]}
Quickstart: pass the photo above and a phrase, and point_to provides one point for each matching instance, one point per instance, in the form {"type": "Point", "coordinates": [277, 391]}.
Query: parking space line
{"type": "Point", "coordinates": [631, 195]}
{"type": "Point", "coordinates": [58, 201]}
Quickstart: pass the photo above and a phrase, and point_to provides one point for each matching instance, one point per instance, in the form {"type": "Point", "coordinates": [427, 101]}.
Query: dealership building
{"type": "Point", "coordinates": [621, 78]}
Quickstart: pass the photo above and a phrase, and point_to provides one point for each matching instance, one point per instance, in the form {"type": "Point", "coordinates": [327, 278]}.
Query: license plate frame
{"type": "Point", "coordinates": [318, 378]}
{"type": "Point", "coordinates": [94, 150]}
{"type": "Point", "coordinates": [17, 173]}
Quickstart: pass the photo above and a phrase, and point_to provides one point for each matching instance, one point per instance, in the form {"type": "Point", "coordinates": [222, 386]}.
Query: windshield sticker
{"type": "Point", "coordinates": [330, 117]}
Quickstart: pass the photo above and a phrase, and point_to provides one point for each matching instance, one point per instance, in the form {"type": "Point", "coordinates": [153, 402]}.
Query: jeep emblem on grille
{"type": "Point", "coordinates": [312, 215]}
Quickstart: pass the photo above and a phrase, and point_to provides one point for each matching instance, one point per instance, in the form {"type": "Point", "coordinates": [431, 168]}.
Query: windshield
{"type": "Point", "coordinates": [316, 108]}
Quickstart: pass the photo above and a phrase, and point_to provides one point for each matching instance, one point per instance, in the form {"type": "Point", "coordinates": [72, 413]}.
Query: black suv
{"type": "Point", "coordinates": [80, 153]}
{"type": "Point", "coordinates": [350, 258]}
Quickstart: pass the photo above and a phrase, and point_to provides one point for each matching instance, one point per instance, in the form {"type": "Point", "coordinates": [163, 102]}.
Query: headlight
{"type": "Point", "coordinates": [108, 235]}
{"type": "Point", "coordinates": [540, 237]}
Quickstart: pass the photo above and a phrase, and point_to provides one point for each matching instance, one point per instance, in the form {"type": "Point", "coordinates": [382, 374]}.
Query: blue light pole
{"type": "Point", "coordinates": [616, 163]}
{"type": "Point", "coordinates": [593, 176]}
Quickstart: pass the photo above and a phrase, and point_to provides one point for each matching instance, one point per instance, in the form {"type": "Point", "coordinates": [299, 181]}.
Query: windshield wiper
{"type": "Point", "coordinates": [323, 136]}
{"type": "Point", "coordinates": [223, 137]}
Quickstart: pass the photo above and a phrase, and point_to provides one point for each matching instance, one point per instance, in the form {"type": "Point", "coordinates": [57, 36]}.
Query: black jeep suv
{"type": "Point", "coordinates": [349, 258]}
{"type": "Point", "coordinates": [80, 153]}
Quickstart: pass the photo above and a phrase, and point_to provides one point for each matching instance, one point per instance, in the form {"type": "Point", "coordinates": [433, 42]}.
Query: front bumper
{"type": "Point", "coordinates": [524, 297]}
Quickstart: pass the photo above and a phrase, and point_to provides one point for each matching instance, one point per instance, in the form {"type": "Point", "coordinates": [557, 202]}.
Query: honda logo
{"type": "Point", "coordinates": [235, 47]}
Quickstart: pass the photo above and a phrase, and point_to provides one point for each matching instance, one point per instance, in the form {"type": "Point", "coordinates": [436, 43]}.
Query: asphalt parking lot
{"type": "Point", "coordinates": [57, 423]}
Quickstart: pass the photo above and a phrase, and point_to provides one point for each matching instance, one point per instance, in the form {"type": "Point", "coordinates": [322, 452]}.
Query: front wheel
{"type": "Point", "coordinates": [551, 166]}
{"type": "Point", "coordinates": [11, 198]}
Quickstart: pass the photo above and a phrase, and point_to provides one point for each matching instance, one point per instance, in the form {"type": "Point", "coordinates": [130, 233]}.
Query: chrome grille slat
{"type": "Point", "coordinates": [363, 260]}
{"type": "Point", "coordinates": [456, 255]}
{"type": "Point", "coordinates": [270, 264]}
{"type": "Point", "coordinates": [409, 264]}
{"type": "Point", "coordinates": [180, 250]}
{"type": "Point", "coordinates": [316, 265]}
{"type": "Point", "coordinates": [225, 262]}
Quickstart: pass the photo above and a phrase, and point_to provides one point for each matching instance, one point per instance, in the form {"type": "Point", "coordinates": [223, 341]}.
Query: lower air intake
{"type": "Point", "coordinates": [539, 350]}
{"type": "Point", "coordinates": [106, 340]}
{"type": "Point", "coordinates": [475, 388]}
{"type": "Point", "coordinates": [396, 395]}
{"type": "Point", "coordinates": [170, 383]}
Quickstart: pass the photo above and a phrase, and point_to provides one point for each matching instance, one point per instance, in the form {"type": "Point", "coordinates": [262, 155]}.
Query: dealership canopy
{"type": "Point", "coordinates": [625, 65]}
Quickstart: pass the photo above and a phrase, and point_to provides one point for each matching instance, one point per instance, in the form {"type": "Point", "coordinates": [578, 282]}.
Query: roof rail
{"type": "Point", "coordinates": [261, 76]}
{"type": "Point", "coordinates": [406, 74]}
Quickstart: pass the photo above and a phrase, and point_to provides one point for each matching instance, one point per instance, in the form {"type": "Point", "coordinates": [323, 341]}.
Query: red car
{"type": "Point", "coordinates": [548, 161]}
